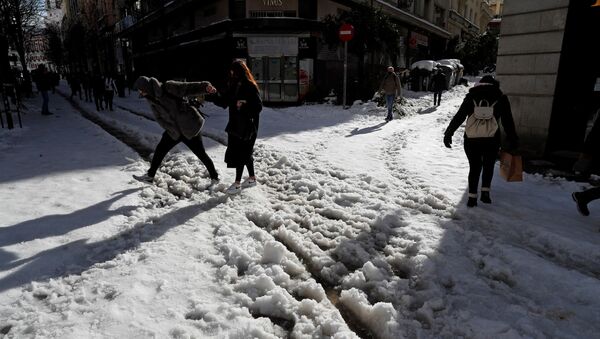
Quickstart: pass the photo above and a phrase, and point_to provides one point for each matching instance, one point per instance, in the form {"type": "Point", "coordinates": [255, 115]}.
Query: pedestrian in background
{"type": "Point", "coordinates": [43, 83]}
{"type": "Point", "coordinates": [439, 85]}
{"type": "Point", "coordinates": [591, 148]}
{"type": "Point", "coordinates": [98, 90]}
{"type": "Point", "coordinates": [181, 121]}
{"type": "Point", "coordinates": [243, 100]}
{"type": "Point", "coordinates": [391, 88]}
{"type": "Point", "coordinates": [109, 92]}
{"type": "Point", "coordinates": [86, 83]}
{"type": "Point", "coordinates": [75, 84]}
{"type": "Point", "coordinates": [481, 150]}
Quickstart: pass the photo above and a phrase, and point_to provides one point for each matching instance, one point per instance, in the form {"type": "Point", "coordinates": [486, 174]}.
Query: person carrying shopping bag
{"type": "Point", "coordinates": [484, 108]}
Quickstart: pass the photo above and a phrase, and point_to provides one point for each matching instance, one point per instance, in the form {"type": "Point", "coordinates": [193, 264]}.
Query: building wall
{"type": "Point", "coordinates": [327, 7]}
{"type": "Point", "coordinates": [527, 65]}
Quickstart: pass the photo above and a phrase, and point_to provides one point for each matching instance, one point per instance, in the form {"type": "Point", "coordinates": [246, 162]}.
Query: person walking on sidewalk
{"type": "Point", "coordinates": [391, 87]}
{"type": "Point", "coordinates": [584, 165]}
{"type": "Point", "coordinates": [98, 90]}
{"type": "Point", "coordinates": [439, 85]}
{"type": "Point", "coordinates": [181, 121]}
{"type": "Point", "coordinates": [43, 83]}
{"type": "Point", "coordinates": [109, 92]}
{"type": "Point", "coordinates": [482, 144]}
{"type": "Point", "coordinates": [243, 99]}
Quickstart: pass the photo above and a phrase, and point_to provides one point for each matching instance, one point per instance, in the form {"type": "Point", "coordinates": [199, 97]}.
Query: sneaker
{"type": "Point", "coordinates": [581, 206]}
{"type": "Point", "coordinates": [472, 202]}
{"type": "Point", "coordinates": [143, 178]}
{"type": "Point", "coordinates": [234, 189]}
{"type": "Point", "coordinates": [485, 197]}
{"type": "Point", "coordinates": [249, 183]}
{"type": "Point", "coordinates": [213, 183]}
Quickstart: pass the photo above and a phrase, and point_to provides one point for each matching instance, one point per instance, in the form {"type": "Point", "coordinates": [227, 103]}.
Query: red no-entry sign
{"type": "Point", "coordinates": [346, 32]}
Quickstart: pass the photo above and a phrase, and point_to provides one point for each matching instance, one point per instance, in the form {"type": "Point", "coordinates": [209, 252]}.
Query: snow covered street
{"type": "Point", "coordinates": [358, 228]}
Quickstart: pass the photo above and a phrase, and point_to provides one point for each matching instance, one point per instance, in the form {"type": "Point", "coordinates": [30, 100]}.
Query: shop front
{"type": "Point", "coordinates": [278, 63]}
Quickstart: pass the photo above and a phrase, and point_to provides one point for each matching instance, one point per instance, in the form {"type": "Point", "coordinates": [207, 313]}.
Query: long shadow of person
{"type": "Point", "coordinates": [57, 224]}
{"type": "Point", "coordinates": [78, 256]}
{"type": "Point", "coordinates": [366, 130]}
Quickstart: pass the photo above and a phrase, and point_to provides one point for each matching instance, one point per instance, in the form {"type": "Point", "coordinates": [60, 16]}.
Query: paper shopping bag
{"type": "Point", "coordinates": [511, 167]}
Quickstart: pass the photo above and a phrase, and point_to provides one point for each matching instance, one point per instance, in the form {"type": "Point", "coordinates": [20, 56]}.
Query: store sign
{"type": "Point", "coordinates": [272, 3]}
{"type": "Point", "coordinates": [240, 43]}
{"type": "Point", "coordinates": [272, 46]}
{"type": "Point", "coordinates": [418, 39]}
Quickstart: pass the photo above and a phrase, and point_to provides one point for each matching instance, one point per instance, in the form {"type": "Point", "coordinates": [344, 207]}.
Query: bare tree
{"type": "Point", "coordinates": [20, 19]}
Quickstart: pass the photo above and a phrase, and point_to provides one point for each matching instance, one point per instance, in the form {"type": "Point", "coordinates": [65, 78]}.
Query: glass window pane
{"type": "Point", "coordinates": [256, 66]}
{"type": "Point", "coordinates": [274, 68]}
{"type": "Point", "coordinates": [291, 91]}
{"type": "Point", "coordinates": [290, 68]}
{"type": "Point", "coordinates": [274, 92]}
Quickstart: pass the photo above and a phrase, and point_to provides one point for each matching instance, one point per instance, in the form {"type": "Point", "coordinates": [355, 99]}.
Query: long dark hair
{"type": "Point", "coordinates": [241, 71]}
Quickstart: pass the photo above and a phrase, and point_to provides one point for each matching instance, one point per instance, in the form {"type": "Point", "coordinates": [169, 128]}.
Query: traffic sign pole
{"type": "Point", "coordinates": [345, 71]}
{"type": "Point", "coordinates": [346, 34]}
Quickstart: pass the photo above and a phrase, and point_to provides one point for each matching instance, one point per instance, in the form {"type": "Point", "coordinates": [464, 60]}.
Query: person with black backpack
{"type": "Point", "coordinates": [484, 107]}
{"type": "Point", "coordinates": [182, 122]}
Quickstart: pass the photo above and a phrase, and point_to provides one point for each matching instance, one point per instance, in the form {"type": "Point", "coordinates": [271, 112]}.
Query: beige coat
{"type": "Point", "coordinates": [166, 102]}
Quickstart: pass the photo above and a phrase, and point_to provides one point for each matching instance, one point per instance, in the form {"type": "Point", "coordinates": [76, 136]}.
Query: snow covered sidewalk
{"type": "Point", "coordinates": [357, 227]}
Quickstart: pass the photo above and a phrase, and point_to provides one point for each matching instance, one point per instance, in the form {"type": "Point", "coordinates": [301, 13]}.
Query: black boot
{"type": "Point", "coordinates": [581, 204]}
{"type": "Point", "coordinates": [485, 197]}
{"type": "Point", "coordinates": [472, 202]}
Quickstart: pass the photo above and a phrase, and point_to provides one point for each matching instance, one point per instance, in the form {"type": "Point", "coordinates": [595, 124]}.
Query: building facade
{"type": "Point", "coordinates": [280, 40]}
{"type": "Point", "coordinates": [548, 70]}
{"type": "Point", "coordinates": [468, 18]}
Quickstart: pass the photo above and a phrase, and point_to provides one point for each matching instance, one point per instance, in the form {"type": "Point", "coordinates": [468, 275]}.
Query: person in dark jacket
{"type": "Point", "coordinates": [482, 151]}
{"type": "Point", "coordinates": [75, 83]}
{"type": "Point", "coordinates": [244, 103]}
{"type": "Point", "coordinates": [98, 90]}
{"type": "Point", "coordinates": [182, 123]}
{"type": "Point", "coordinates": [43, 83]}
{"type": "Point", "coordinates": [439, 85]}
{"type": "Point", "coordinates": [584, 164]}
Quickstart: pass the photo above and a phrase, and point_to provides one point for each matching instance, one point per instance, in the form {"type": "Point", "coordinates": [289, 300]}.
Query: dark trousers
{"type": "Point", "coordinates": [194, 144]}
{"type": "Point", "coordinates": [438, 95]}
{"type": "Point", "coordinates": [45, 102]}
{"type": "Point", "coordinates": [590, 194]}
{"type": "Point", "coordinates": [481, 153]}
{"type": "Point", "coordinates": [88, 94]}
{"type": "Point", "coordinates": [98, 99]}
{"type": "Point", "coordinates": [108, 99]}
{"type": "Point", "coordinates": [240, 170]}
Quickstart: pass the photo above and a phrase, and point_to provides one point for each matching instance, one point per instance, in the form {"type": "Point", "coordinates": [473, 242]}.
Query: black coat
{"type": "Point", "coordinates": [242, 126]}
{"type": "Point", "coordinates": [439, 82]}
{"type": "Point", "coordinates": [502, 112]}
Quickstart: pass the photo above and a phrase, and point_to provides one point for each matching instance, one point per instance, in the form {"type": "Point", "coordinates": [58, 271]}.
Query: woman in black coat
{"type": "Point", "coordinates": [482, 151]}
{"type": "Point", "coordinates": [243, 99]}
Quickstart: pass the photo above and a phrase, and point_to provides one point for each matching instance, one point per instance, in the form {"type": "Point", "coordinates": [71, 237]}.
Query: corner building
{"type": "Point", "coordinates": [279, 39]}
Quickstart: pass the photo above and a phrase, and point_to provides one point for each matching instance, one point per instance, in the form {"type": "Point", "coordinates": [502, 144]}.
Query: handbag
{"type": "Point", "coordinates": [511, 167]}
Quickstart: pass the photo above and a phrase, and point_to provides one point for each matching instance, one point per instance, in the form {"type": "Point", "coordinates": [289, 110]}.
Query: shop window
{"type": "Point", "coordinates": [274, 69]}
